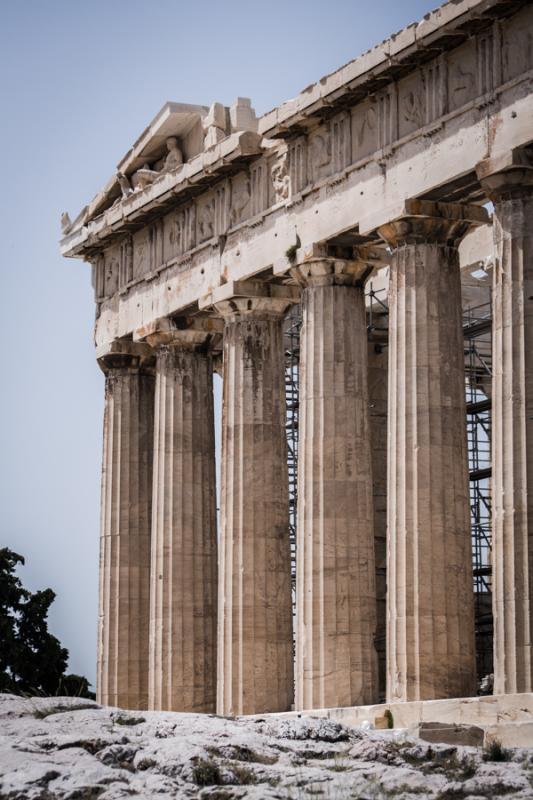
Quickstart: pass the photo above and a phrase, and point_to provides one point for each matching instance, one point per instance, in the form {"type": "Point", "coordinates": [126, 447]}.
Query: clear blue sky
{"type": "Point", "coordinates": [78, 82]}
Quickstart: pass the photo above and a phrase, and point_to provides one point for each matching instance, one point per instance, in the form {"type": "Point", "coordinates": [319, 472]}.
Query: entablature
{"type": "Point", "coordinates": [240, 208]}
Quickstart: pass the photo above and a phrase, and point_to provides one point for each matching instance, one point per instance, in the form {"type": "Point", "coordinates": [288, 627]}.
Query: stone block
{"type": "Point", "coordinates": [511, 734]}
{"type": "Point", "coordinates": [444, 733]}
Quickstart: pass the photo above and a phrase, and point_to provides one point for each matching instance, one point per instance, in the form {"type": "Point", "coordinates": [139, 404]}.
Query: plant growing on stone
{"type": "Point", "coordinates": [493, 751]}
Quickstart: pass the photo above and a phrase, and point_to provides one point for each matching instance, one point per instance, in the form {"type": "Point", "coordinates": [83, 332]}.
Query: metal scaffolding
{"type": "Point", "coordinates": [292, 325]}
{"type": "Point", "coordinates": [477, 327]}
{"type": "Point", "coordinates": [477, 324]}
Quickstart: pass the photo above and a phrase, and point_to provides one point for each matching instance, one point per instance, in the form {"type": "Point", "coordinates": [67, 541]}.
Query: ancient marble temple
{"type": "Point", "coordinates": [215, 224]}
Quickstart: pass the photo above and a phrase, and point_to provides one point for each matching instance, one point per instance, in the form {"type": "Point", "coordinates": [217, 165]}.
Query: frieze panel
{"type": "Point", "coordinates": [517, 48]}
{"type": "Point", "coordinates": [462, 75]}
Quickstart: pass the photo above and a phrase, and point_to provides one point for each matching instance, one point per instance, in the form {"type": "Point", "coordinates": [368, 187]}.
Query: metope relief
{"type": "Point", "coordinates": [462, 76]}
{"type": "Point", "coordinates": [517, 55]}
{"type": "Point", "coordinates": [319, 153]}
{"type": "Point", "coordinates": [141, 253]}
{"type": "Point", "coordinates": [205, 218]}
{"type": "Point", "coordinates": [240, 199]}
{"type": "Point", "coordinates": [411, 103]}
{"type": "Point", "coordinates": [364, 129]}
{"type": "Point", "coordinates": [280, 182]}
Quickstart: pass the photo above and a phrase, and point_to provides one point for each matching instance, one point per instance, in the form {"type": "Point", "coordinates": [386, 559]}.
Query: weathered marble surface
{"type": "Point", "coordinates": [111, 754]}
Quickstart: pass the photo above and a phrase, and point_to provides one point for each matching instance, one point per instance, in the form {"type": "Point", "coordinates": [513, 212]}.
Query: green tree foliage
{"type": "Point", "coordinates": [32, 661]}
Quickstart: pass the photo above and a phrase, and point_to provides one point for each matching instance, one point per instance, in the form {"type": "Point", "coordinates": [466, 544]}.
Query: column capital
{"type": "Point", "coordinates": [431, 222]}
{"type": "Point", "coordinates": [507, 176]}
{"type": "Point", "coordinates": [238, 299]}
{"type": "Point", "coordinates": [122, 354]}
{"type": "Point", "coordinates": [327, 271]}
{"type": "Point", "coordinates": [186, 332]}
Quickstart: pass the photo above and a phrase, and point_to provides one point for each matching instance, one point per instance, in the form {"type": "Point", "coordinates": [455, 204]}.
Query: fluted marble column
{"type": "Point", "coordinates": [378, 374]}
{"type": "Point", "coordinates": [336, 663]}
{"type": "Point", "coordinates": [430, 611]}
{"type": "Point", "coordinates": [512, 429]}
{"type": "Point", "coordinates": [255, 671]}
{"type": "Point", "coordinates": [122, 661]}
{"type": "Point", "coordinates": [183, 603]}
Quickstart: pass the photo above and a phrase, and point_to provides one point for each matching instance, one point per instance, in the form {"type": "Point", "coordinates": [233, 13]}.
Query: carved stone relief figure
{"type": "Point", "coordinates": [174, 157]}
{"type": "Point", "coordinates": [463, 83]}
{"type": "Point", "coordinates": [206, 220]}
{"type": "Point", "coordinates": [413, 109]}
{"type": "Point", "coordinates": [124, 184]}
{"type": "Point", "coordinates": [462, 75]}
{"type": "Point", "coordinates": [143, 177]}
{"type": "Point", "coordinates": [240, 200]}
{"type": "Point", "coordinates": [365, 129]}
{"type": "Point", "coordinates": [112, 267]}
{"type": "Point", "coordinates": [280, 179]}
{"type": "Point", "coordinates": [412, 102]}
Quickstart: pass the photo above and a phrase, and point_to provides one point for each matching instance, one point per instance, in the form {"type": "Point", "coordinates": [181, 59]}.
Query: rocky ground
{"type": "Point", "coordinates": [70, 748]}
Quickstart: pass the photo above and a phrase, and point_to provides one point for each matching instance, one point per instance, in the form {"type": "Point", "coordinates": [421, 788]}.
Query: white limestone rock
{"type": "Point", "coordinates": [69, 749]}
